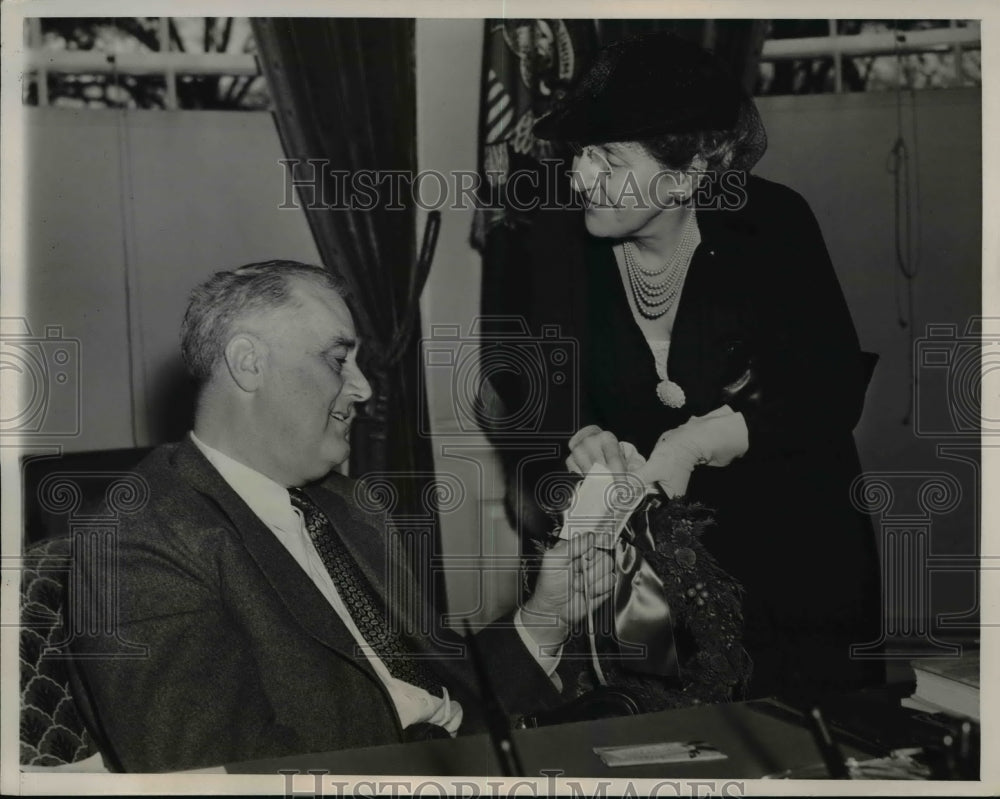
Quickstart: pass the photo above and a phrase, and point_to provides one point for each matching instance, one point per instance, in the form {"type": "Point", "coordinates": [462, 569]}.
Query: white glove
{"type": "Point", "coordinates": [633, 460]}
{"type": "Point", "coordinates": [715, 439]}
{"type": "Point", "coordinates": [670, 465]}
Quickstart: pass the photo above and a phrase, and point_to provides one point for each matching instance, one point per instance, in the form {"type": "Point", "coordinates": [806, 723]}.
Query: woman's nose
{"type": "Point", "coordinates": [584, 175]}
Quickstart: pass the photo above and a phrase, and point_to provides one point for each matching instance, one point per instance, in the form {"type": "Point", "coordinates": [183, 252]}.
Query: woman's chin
{"type": "Point", "coordinates": [611, 222]}
{"type": "Point", "coordinates": [604, 222]}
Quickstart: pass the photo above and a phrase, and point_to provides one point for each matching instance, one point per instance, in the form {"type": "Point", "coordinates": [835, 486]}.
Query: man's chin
{"type": "Point", "coordinates": [339, 454]}
{"type": "Point", "coordinates": [331, 462]}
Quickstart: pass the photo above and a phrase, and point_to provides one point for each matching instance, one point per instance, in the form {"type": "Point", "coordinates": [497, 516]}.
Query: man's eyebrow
{"type": "Point", "coordinates": [341, 341]}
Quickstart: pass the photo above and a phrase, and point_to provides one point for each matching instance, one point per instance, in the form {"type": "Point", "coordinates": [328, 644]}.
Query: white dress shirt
{"type": "Point", "coordinates": [271, 504]}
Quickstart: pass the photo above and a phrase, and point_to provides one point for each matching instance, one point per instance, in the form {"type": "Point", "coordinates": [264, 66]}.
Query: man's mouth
{"type": "Point", "coordinates": [342, 417]}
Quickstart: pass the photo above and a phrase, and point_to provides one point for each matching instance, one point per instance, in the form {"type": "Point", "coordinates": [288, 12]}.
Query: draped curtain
{"type": "Point", "coordinates": [344, 95]}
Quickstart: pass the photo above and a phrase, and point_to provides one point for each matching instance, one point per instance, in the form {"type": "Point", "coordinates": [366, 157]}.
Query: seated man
{"type": "Point", "coordinates": [259, 584]}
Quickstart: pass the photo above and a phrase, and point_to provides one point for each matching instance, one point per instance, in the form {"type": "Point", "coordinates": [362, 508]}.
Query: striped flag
{"type": "Point", "coordinates": [499, 110]}
{"type": "Point", "coordinates": [527, 65]}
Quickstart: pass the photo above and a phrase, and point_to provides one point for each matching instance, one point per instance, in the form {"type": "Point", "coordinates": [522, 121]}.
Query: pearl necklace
{"type": "Point", "coordinates": [653, 298]}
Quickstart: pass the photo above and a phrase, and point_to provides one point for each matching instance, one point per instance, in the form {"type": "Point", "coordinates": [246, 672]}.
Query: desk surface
{"type": "Point", "coordinates": [755, 741]}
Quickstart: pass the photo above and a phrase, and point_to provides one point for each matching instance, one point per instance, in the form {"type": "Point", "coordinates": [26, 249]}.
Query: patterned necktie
{"type": "Point", "coordinates": [365, 606]}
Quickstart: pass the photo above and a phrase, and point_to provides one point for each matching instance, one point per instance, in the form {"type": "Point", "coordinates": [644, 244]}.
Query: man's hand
{"type": "Point", "coordinates": [571, 572]}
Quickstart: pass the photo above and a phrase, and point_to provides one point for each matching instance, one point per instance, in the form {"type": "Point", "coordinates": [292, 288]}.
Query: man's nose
{"type": "Point", "coordinates": [360, 387]}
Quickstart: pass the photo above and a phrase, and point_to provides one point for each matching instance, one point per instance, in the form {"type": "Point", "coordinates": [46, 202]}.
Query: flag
{"type": "Point", "coordinates": [528, 64]}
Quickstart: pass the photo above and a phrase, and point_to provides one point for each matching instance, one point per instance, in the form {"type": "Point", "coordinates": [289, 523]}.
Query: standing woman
{"type": "Point", "coordinates": [709, 292]}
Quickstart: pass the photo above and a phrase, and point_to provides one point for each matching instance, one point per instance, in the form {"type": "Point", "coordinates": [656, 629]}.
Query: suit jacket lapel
{"type": "Point", "coordinates": [292, 585]}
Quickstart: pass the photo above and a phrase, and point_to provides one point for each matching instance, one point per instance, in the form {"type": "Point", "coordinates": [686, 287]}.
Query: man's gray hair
{"type": "Point", "coordinates": [226, 296]}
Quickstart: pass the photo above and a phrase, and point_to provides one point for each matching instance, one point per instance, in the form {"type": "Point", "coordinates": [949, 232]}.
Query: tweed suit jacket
{"type": "Point", "coordinates": [245, 657]}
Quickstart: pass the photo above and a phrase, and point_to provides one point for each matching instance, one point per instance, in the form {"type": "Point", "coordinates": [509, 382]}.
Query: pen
{"type": "Point", "coordinates": [827, 747]}
{"type": "Point", "coordinates": [950, 766]}
{"type": "Point", "coordinates": [965, 750]}
{"type": "Point", "coordinates": [496, 720]}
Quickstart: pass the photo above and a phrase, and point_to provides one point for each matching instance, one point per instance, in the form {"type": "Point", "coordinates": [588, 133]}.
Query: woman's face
{"type": "Point", "coordinates": [624, 189]}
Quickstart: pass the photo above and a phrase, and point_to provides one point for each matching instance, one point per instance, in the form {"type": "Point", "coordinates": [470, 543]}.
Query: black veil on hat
{"type": "Point", "coordinates": [652, 85]}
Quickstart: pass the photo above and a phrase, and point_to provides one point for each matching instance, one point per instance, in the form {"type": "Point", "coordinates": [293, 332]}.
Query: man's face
{"type": "Point", "coordinates": [310, 385]}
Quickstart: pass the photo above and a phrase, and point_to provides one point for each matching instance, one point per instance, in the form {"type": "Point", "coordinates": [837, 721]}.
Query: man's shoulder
{"type": "Point", "coordinates": [366, 500]}
{"type": "Point", "coordinates": [175, 484]}
{"type": "Point", "coordinates": [167, 470]}
{"type": "Point", "coordinates": [159, 462]}
{"type": "Point", "coordinates": [341, 485]}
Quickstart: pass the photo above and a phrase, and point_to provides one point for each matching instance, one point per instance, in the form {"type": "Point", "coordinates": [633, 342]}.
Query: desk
{"type": "Point", "coordinates": [757, 743]}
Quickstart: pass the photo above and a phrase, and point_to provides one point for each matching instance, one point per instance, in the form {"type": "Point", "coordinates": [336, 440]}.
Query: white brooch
{"type": "Point", "coordinates": [667, 390]}
{"type": "Point", "coordinates": [670, 394]}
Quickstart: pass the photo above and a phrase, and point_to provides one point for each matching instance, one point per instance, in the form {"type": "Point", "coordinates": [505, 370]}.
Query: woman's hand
{"type": "Point", "coordinates": [592, 445]}
{"type": "Point", "coordinates": [720, 436]}
{"type": "Point", "coordinates": [716, 439]}
{"type": "Point", "coordinates": [671, 463]}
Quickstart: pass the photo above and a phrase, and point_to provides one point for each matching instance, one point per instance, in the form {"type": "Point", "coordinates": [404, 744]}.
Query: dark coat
{"type": "Point", "coordinates": [246, 658]}
{"type": "Point", "coordinates": [761, 289]}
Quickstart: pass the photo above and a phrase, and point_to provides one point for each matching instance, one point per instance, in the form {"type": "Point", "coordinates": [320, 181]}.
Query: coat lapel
{"type": "Point", "coordinates": [292, 585]}
{"type": "Point", "coordinates": [709, 330]}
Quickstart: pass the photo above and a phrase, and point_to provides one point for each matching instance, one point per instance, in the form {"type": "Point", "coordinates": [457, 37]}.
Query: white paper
{"type": "Point", "coordinates": [665, 752]}
{"type": "Point", "coordinates": [602, 504]}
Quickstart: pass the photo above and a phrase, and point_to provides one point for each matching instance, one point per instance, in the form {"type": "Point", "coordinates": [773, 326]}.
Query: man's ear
{"type": "Point", "coordinates": [245, 356]}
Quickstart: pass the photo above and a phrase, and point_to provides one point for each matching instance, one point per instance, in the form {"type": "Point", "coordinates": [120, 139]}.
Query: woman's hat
{"type": "Point", "coordinates": [643, 87]}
